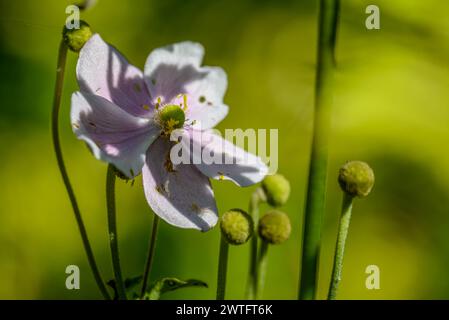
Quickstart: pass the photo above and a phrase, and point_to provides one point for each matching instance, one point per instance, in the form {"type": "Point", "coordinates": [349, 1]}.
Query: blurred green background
{"type": "Point", "coordinates": [391, 110]}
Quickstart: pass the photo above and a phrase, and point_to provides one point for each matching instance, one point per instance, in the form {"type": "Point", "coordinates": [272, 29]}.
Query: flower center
{"type": "Point", "coordinates": [171, 117]}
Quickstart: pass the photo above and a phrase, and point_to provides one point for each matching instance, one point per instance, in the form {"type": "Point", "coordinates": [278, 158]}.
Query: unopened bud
{"type": "Point", "coordinates": [76, 38]}
{"type": "Point", "coordinates": [356, 178]}
{"type": "Point", "coordinates": [277, 189]}
{"type": "Point", "coordinates": [274, 227]}
{"type": "Point", "coordinates": [236, 226]}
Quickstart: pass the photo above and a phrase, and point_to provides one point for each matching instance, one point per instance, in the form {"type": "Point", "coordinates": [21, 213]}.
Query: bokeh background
{"type": "Point", "coordinates": [391, 110]}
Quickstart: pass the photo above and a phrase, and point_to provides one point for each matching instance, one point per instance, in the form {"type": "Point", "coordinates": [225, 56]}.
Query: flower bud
{"type": "Point", "coordinates": [76, 38]}
{"type": "Point", "coordinates": [277, 189]}
{"type": "Point", "coordinates": [274, 227]}
{"type": "Point", "coordinates": [236, 226]}
{"type": "Point", "coordinates": [356, 178]}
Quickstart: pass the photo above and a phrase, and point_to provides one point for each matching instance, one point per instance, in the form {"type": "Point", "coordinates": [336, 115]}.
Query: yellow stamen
{"type": "Point", "coordinates": [185, 102]}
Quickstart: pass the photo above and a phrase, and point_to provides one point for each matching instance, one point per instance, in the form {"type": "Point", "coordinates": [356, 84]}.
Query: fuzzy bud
{"type": "Point", "coordinates": [274, 227]}
{"type": "Point", "coordinates": [236, 226]}
{"type": "Point", "coordinates": [356, 178]}
{"type": "Point", "coordinates": [277, 189]}
{"type": "Point", "coordinates": [76, 38]}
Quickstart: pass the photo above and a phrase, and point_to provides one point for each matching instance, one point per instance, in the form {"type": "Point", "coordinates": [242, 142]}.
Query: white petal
{"type": "Point", "coordinates": [103, 71]}
{"type": "Point", "coordinates": [112, 134]}
{"type": "Point", "coordinates": [180, 54]}
{"type": "Point", "coordinates": [219, 159]}
{"type": "Point", "coordinates": [166, 68]}
{"type": "Point", "coordinates": [184, 197]}
{"type": "Point", "coordinates": [205, 98]}
{"type": "Point", "coordinates": [175, 70]}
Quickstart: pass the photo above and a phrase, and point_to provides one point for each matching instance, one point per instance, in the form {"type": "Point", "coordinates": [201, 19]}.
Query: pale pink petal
{"type": "Point", "coordinates": [182, 196]}
{"type": "Point", "coordinates": [103, 71]}
{"type": "Point", "coordinates": [175, 70]}
{"type": "Point", "coordinates": [205, 98]}
{"type": "Point", "coordinates": [219, 159]}
{"type": "Point", "coordinates": [112, 134]}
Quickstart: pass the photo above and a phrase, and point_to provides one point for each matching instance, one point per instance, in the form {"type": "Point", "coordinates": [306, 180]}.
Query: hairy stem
{"type": "Point", "coordinates": [316, 189]}
{"type": "Point", "coordinates": [112, 225]}
{"type": "Point", "coordinates": [62, 55]}
{"type": "Point", "coordinates": [150, 257]}
{"type": "Point", "coordinates": [340, 247]}
{"type": "Point", "coordinates": [262, 269]}
{"type": "Point", "coordinates": [222, 268]}
{"type": "Point", "coordinates": [256, 198]}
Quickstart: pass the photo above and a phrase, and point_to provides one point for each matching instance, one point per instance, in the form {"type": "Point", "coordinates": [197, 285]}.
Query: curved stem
{"type": "Point", "coordinates": [256, 198]}
{"type": "Point", "coordinates": [316, 189]}
{"type": "Point", "coordinates": [222, 268]}
{"type": "Point", "coordinates": [262, 268]}
{"type": "Point", "coordinates": [62, 55]}
{"type": "Point", "coordinates": [343, 229]}
{"type": "Point", "coordinates": [150, 258]}
{"type": "Point", "coordinates": [112, 225]}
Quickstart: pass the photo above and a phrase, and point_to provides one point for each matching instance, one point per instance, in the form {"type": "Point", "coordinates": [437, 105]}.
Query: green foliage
{"type": "Point", "coordinates": [156, 289]}
{"type": "Point", "coordinates": [165, 285]}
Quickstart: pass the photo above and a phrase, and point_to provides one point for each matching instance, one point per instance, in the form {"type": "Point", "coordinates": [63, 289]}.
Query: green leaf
{"type": "Point", "coordinates": [170, 284]}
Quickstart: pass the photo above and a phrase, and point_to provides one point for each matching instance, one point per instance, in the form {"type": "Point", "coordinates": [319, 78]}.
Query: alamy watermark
{"type": "Point", "coordinates": [72, 281]}
{"type": "Point", "coordinates": [372, 22]}
{"type": "Point", "coordinates": [372, 282]}
{"type": "Point", "coordinates": [209, 147]}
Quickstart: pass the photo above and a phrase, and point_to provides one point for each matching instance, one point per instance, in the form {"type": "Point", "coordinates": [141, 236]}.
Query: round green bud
{"type": "Point", "coordinates": [356, 178]}
{"type": "Point", "coordinates": [277, 189]}
{"type": "Point", "coordinates": [172, 117]}
{"type": "Point", "coordinates": [76, 38]}
{"type": "Point", "coordinates": [236, 226]}
{"type": "Point", "coordinates": [274, 227]}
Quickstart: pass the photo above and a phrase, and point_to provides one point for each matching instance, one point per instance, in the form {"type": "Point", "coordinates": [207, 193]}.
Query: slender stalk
{"type": "Point", "coordinates": [256, 198]}
{"type": "Point", "coordinates": [112, 225]}
{"type": "Point", "coordinates": [222, 268]}
{"type": "Point", "coordinates": [150, 258]}
{"type": "Point", "coordinates": [60, 69]}
{"type": "Point", "coordinates": [340, 247]}
{"type": "Point", "coordinates": [318, 162]}
{"type": "Point", "coordinates": [262, 268]}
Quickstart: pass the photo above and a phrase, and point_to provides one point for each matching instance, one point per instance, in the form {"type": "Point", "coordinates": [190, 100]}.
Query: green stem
{"type": "Point", "coordinates": [60, 68]}
{"type": "Point", "coordinates": [318, 162]}
{"type": "Point", "coordinates": [222, 268]}
{"type": "Point", "coordinates": [150, 258]}
{"type": "Point", "coordinates": [340, 248]}
{"type": "Point", "coordinates": [262, 269]}
{"type": "Point", "coordinates": [112, 225]}
{"type": "Point", "coordinates": [256, 198]}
